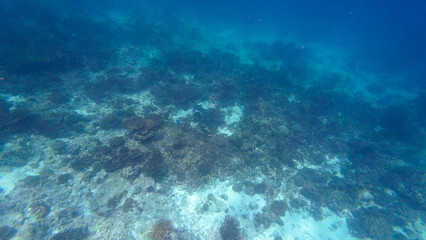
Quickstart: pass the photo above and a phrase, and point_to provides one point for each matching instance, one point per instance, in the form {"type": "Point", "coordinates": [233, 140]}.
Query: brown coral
{"type": "Point", "coordinates": [162, 230]}
{"type": "Point", "coordinates": [142, 129]}
{"type": "Point", "coordinates": [153, 121]}
{"type": "Point", "coordinates": [142, 135]}
{"type": "Point", "coordinates": [149, 124]}
{"type": "Point", "coordinates": [133, 123]}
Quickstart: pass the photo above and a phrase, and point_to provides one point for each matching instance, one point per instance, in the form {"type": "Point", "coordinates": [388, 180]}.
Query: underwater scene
{"type": "Point", "coordinates": [212, 120]}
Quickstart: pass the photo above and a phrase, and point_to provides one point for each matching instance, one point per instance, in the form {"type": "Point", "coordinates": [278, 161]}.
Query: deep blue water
{"type": "Point", "coordinates": [114, 113]}
{"type": "Point", "coordinates": [382, 35]}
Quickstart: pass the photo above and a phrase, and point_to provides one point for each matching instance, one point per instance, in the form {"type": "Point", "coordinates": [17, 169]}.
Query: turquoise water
{"type": "Point", "coordinates": [212, 120]}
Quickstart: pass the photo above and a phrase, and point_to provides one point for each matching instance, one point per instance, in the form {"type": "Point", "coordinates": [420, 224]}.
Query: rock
{"type": "Point", "coordinates": [253, 206]}
{"type": "Point", "coordinates": [297, 203]}
{"type": "Point", "coordinates": [260, 219]}
{"type": "Point", "coordinates": [205, 208]}
{"type": "Point", "coordinates": [399, 236]}
{"type": "Point", "coordinates": [131, 173]}
{"type": "Point", "coordinates": [133, 123]}
{"type": "Point", "coordinates": [110, 121]}
{"type": "Point", "coordinates": [32, 181]}
{"type": "Point", "coordinates": [116, 142]}
{"type": "Point", "coordinates": [7, 232]}
{"type": "Point", "coordinates": [162, 229]}
{"type": "Point", "coordinates": [312, 193]}
{"type": "Point", "coordinates": [115, 200]}
{"type": "Point", "coordinates": [63, 178]}
{"type": "Point", "coordinates": [224, 196]}
{"type": "Point", "coordinates": [129, 204]}
{"type": "Point", "coordinates": [211, 197]}
{"type": "Point", "coordinates": [260, 188]}
{"type": "Point", "coordinates": [73, 149]}
{"type": "Point", "coordinates": [155, 167]}
{"type": "Point", "coordinates": [110, 164]}
{"type": "Point", "coordinates": [82, 163]}
{"type": "Point", "coordinates": [278, 208]}
{"type": "Point", "coordinates": [142, 129]}
{"type": "Point", "coordinates": [237, 187]}
{"type": "Point", "coordinates": [308, 176]}
{"type": "Point", "coordinates": [150, 189]}
{"type": "Point", "coordinates": [72, 234]}
{"type": "Point", "coordinates": [59, 147]}
{"type": "Point", "coordinates": [230, 229]}
{"type": "Point", "coordinates": [370, 223]}
{"type": "Point", "coordinates": [39, 209]}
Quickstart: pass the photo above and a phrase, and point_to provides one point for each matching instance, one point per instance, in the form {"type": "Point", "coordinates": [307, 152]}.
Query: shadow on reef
{"type": "Point", "coordinates": [120, 153]}
{"type": "Point", "coordinates": [23, 120]}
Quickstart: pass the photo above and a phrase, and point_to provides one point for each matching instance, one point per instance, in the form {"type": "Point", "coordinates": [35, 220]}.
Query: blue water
{"type": "Point", "coordinates": [212, 119]}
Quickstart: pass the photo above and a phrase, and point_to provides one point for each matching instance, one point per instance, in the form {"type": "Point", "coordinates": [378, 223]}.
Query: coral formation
{"type": "Point", "coordinates": [162, 230]}
{"type": "Point", "coordinates": [7, 232]}
{"type": "Point", "coordinates": [72, 234]}
{"type": "Point", "coordinates": [109, 122]}
{"type": "Point", "coordinates": [178, 95]}
{"type": "Point", "coordinates": [229, 230]}
{"type": "Point", "coordinates": [142, 129]}
{"type": "Point", "coordinates": [155, 166]}
{"type": "Point", "coordinates": [39, 209]}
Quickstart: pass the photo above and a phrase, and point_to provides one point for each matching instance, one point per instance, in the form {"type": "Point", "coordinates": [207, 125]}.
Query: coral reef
{"type": "Point", "coordinates": [7, 232]}
{"type": "Point", "coordinates": [110, 121]}
{"type": "Point", "coordinates": [178, 95]}
{"type": "Point", "coordinates": [229, 230]}
{"type": "Point", "coordinates": [39, 209]}
{"type": "Point", "coordinates": [142, 129]}
{"type": "Point", "coordinates": [112, 116]}
{"type": "Point", "coordinates": [71, 234]}
{"type": "Point", "coordinates": [162, 230]}
{"type": "Point", "coordinates": [155, 166]}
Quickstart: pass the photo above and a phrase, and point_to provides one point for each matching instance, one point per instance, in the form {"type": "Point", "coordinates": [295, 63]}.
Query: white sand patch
{"type": "Point", "coordinates": [182, 114]}
{"type": "Point", "coordinates": [188, 77]}
{"type": "Point", "coordinates": [85, 111]}
{"type": "Point", "coordinates": [144, 98]}
{"type": "Point", "coordinates": [104, 136]}
{"type": "Point", "coordinates": [206, 225]}
{"type": "Point", "coordinates": [13, 100]}
{"type": "Point", "coordinates": [90, 108]}
{"type": "Point", "coordinates": [225, 130]}
{"type": "Point", "coordinates": [305, 164]}
{"type": "Point", "coordinates": [334, 166]}
{"type": "Point", "coordinates": [33, 154]}
{"type": "Point", "coordinates": [10, 177]}
{"type": "Point", "coordinates": [151, 52]}
{"type": "Point", "coordinates": [207, 105]}
{"type": "Point", "coordinates": [233, 115]}
{"type": "Point", "coordinates": [293, 99]}
{"type": "Point", "coordinates": [299, 225]}
{"type": "Point", "coordinates": [389, 192]}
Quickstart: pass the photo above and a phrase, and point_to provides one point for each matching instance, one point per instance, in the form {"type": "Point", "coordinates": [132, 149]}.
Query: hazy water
{"type": "Point", "coordinates": [230, 119]}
